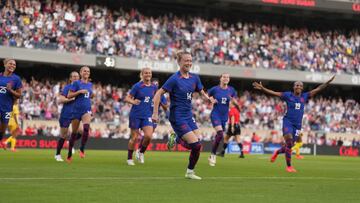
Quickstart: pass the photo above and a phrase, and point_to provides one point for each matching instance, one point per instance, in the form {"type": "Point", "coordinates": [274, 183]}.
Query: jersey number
{"type": "Point", "coordinates": [147, 99]}
{"type": "Point", "coordinates": [189, 95]}
{"type": "Point", "coordinates": [7, 115]}
{"type": "Point", "coordinates": [87, 95]}
{"type": "Point", "coordinates": [297, 105]}
{"type": "Point", "coordinates": [223, 100]}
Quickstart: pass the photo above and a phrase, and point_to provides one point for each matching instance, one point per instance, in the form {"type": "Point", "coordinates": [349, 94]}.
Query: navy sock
{"type": "Point", "coordinates": [85, 137]}
{"type": "Point", "coordinates": [71, 144]}
{"type": "Point", "coordinates": [60, 145]}
{"type": "Point", "coordinates": [241, 148]}
{"type": "Point", "coordinates": [130, 153]}
{"type": "Point", "coordinates": [78, 136]}
{"type": "Point", "coordinates": [183, 143]}
{"type": "Point", "coordinates": [143, 149]}
{"type": "Point", "coordinates": [194, 154]}
{"type": "Point", "coordinates": [1, 135]}
{"type": "Point", "coordinates": [219, 136]}
{"type": "Point", "coordinates": [225, 146]}
{"type": "Point", "coordinates": [288, 152]}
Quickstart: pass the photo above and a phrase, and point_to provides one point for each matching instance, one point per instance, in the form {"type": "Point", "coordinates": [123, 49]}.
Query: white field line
{"type": "Point", "coordinates": [179, 178]}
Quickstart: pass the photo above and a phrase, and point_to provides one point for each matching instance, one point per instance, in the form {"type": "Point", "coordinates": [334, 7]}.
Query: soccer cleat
{"type": "Point", "coordinates": [130, 162]}
{"type": "Point", "coordinates": [242, 156]}
{"type": "Point", "coordinates": [274, 156]}
{"type": "Point", "coordinates": [299, 157]}
{"type": "Point", "coordinates": [212, 160]}
{"type": "Point", "coordinates": [171, 142]}
{"type": "Point", "coordinates": [191, 175]}
{"type": "Point", "coordinates": [58, 158]}
{"type": "Point", "coordinates": [290, 169]}
{"type": "Point", "coordinates": [69, 160]}
{"type": "Point", "coordinates": [139, 156]}
{"type": "Point", "coordinates": [82, 154]}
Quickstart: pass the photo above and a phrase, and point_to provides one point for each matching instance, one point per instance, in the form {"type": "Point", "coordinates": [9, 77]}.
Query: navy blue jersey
{"type": "Point", "coordinates": [145, 94]}
{"type": "Point", "coordinates": [6, 98]}
{"type": "Point", "coordinates": [82, 103]}
{"type": "Point", "coordinates": [181, 90]}
{"type": "Point", "coordinates": [223, 97]}
{"type": "Point", "coordinates": [67, 110]}
{"type": "Point", "coordinates": [295, 106]}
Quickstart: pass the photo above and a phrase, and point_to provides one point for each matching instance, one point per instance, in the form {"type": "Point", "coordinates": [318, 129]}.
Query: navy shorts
{"type": "Point", "coordinates": [290, 128]}
{"type": "Point", "coordinates": [181, 127]}
{"type": "Point", "coordinates": [64, 122]}
{"type": "Point", "coordinates": [216, 121]}
{"type": "Point", "coordinates": [137, 123]}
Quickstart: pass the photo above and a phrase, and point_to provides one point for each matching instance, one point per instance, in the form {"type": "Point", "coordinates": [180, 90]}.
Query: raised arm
{"type": "Point", "coordinates": [321, 87]}
{"type": "Point", "coordinates": [260, 87]}
{"type": "Point", "coordinates": [156, 100]}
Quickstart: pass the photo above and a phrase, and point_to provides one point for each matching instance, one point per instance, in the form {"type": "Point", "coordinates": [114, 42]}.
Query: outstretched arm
{"type": "Point", "coordinates": [260, 87]}
{"type": "Point", "coordinates": [321, 87]}
{"type": "Point", "coordinates": [211, 99]}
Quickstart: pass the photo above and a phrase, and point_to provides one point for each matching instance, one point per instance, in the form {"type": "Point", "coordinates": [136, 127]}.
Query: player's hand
{"type": "Point", "coordinates": [136, 102]}
{"type": "Point", "coordinates": [155, 117]}
{"type": "Point", "coordinates": [212, 100]}
{"type": "Point", "coordinates": [258, 85]}
{"type": "Point", "coordinates": [9, 86]}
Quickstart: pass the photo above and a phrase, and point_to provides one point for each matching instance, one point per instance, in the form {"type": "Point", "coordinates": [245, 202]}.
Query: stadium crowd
{"type": "Point", "coordinates": [96, 29]}
{"type": "Point", "coordinates": [39, 101]}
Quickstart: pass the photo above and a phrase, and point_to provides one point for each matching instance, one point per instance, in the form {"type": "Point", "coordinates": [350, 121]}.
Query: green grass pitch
{"type": "Point", "coordinates": [103, 176]}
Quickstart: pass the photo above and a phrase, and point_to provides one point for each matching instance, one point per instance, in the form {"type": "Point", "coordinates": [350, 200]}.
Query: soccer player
{"type": "Point", "coordinates": [81, 90]}
{"type": "Point", "coordinates": [66, 114]}
{"type": "Point", "coordinates": [223, 94]}
{"type": "Point", "coordinates": [141, 97]}
{"type": "Point", "coordinates": [13, 127]}
{"type": "Point", "coordinates": [233, 130]}
{"type": "Point", "coordinates": [298, 144]}
{"type": "Point", "coordinates": [10, 90]}
{"type": "Point", "coordinates": [292, 120]}
{"type": "Point", "coordinates": [180, 86]}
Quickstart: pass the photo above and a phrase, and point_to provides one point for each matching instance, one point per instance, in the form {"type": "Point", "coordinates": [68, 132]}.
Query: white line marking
{"type": "Point", "coordinates": [177, 178]}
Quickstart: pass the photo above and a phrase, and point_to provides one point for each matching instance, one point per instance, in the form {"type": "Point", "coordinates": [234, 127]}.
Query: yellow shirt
{"type": "Point", "coordinates": [14, 114]}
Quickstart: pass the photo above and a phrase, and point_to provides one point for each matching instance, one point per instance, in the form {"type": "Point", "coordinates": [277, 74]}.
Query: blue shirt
{"type": "Point", "coordinates": [6, 98]}
{"type": "Point", "coordinates": [295, 106]}
{"type": "Point", "coordinates": [67, 110]}
{"type": "Point", "coordinates": [223, 97]}
{"type": "Point", "coordinates": [82, 102]}
{"type": "Point", "coordinates": [181, 90]}
{"type": "Point", "coordinates": [145, 94]}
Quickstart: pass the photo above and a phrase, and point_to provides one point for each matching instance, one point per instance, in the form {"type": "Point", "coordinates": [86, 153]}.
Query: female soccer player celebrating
{"type": "Point", "coordinates": [223, 95]}
{"type": "Point", "coordinates": [66, 114]}
{"type": "Point", "coordinates": [292, 120]}
{"type": "Point", "coordinates": [81, 90]}
{"type": "Point", "coordinates": [141, 97]}
{"type": "Point", "coordinates": [10, 90]}
{"type": "Point", "coordinates": [180, 86]}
